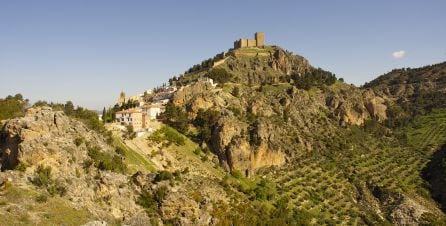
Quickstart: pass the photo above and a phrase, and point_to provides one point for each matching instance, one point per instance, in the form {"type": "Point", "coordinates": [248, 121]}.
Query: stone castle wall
{"type": "Point", "coordinates": [259, 41]}
{"type": "Point", "coordinates": [251, 43]}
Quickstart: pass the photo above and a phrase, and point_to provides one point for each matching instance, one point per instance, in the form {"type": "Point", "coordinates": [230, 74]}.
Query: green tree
{"type": "Point", "coordinates": [314, 78]}
{"type": "Point", "coordinates": [69, 108]}
{"type": "Point", "coordinates": [219, 75]}
{"type": "Point", "coordinates": [176, 117]}
{"type": "Point", "coordinates": [205, 122]}
{"type": "Point", "coordinates": [104, 115]}
{"type": "Point", "coordinates": [12, 107]}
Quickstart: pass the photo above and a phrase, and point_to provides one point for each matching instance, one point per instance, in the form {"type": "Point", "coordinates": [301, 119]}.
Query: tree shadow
{"type": "Point", "coordinates": [435, 174]}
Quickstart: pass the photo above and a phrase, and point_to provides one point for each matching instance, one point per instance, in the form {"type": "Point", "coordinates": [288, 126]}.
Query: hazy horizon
{"type": "Point", "coordinates": [87, 52]}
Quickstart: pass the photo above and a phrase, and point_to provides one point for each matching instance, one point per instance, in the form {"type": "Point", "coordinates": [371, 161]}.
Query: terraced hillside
{"type": "Point", "coordinates": [324, 192]}
{"type": "Point", "coordinates": [342, 188]}
{"type": "Point", "coordinates": [428, 132]}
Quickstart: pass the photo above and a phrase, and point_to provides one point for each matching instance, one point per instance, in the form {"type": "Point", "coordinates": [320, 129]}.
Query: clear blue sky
{"type": "Point", "coordinates": [87, 51]}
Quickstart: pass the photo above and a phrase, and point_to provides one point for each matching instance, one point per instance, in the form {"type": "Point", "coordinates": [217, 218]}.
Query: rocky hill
{"type": "Point", "coordinates": [275, 142]}
{"type": "Point", "coordinates": [56, 156]}
{"type": "Point", "coordinates": [274, 114]}
{"type": "Point", "coordinates": [415, 90]}
{"type": "Point", "coordinates": [55, 170]}
{"type": "Point", "coordinates": [262, 112]}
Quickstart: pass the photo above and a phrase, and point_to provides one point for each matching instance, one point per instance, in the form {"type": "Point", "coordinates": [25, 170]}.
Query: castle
{"type": "Point", "coordinates": [259, 41]}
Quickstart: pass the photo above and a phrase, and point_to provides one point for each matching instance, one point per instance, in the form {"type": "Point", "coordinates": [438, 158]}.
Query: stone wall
{"type": "Point", "coordinates": [251, 43]}
{"type": "Point", "coordinates": [260, 38]}
{"type": "Point", "coordinates": [259, 41]}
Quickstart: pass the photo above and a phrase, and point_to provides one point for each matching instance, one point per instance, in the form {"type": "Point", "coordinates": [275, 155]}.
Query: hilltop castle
{"type": "Point", "coordinates": [259, 41]}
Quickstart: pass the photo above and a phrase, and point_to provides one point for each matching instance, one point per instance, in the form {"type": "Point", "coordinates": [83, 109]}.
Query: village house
{"type": "Point", "coordinates": [148, 109]}
{"type": "Point", "coordinates": [132, 117]}
{"type": "Point", "coordinates": [206, 79]}
{"type": "Point", "coordinates": [153, 110]}
{"type": "Point", "coordinates": [164, 94]}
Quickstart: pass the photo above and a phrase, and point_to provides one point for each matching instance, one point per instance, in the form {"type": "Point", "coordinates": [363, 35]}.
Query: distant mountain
{"type": "Point", "coordinates": [416, 90]}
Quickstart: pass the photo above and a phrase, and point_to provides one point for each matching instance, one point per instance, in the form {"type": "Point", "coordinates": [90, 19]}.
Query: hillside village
{"type": "Point", "coordinates": [140, 110]}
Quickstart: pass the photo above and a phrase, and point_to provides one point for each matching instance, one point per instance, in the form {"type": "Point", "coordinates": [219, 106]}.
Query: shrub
{"type": "Point", "coordinates": [147, 201]}
{"type": "Point", "coordinates": [173, 137]}
{"type": "Point", "coordinates": [41, 198]}
{"type": "Point", "coordinates": [237, 174]}
{"type": "Point", "coordinates": [12, 107]}
{"type": "Point", "coordinates": [204, 158]}
{"type": "Point", "coordinates": [197, 151]}
{"type": "Point", "coordinates": [87, 163]}
{"type": "Point", "coordinates": [56, 189]}
{"type": "Point", "coordinates": [265, 190]}
{"type": "Point", "coordinates": [78, 141]}
{"type": "Point", "coordinates": [43, 176]}
{"type": "Point", "coordinates": [219, 75]}
{"type": "Point", "coordinates": [236, 91]}
{"type": "Point", "coordinates": [21, 167]}
{"type": "Point", "coordinates": [167, 134]}
{"type": "Point", "coordinates": [160, 194]}
{"type": "Point", "coordinates": [120, 151]}
{"type": "Point", "coordinates": [314, 78]}
{"type": "Point", "coordinates": [151, 201]}
{"type": "Point", "coordinates": [163, 175]}
{"type": "Point", "coordinates": [130, 132]}
{"type": "Point", "coordinates": [105, 161]}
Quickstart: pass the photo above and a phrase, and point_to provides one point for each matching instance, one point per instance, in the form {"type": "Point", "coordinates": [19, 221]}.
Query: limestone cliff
{"type": "Point", "coordinates": [49, 139]}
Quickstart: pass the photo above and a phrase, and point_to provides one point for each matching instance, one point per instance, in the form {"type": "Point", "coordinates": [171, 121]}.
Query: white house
{"type": "Point", "coordinates": [153, 110]}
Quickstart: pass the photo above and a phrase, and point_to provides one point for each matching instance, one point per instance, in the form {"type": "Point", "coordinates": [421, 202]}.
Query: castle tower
{"type": "Point", "coordinates": [260, 39]}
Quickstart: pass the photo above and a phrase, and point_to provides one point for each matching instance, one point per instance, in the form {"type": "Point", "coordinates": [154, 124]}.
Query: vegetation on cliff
{"type": "Point", "coordinates": [12, 106]}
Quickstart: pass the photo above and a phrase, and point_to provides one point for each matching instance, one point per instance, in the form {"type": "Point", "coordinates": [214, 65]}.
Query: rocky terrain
{"type": "Point", "coordinates": [49, 159]}
{"type": "Point", "coordinates": [269, 109]}
{"type": "Point", "coordinates": [262, 117]}
{"type": "Point", "coordinates": [415, 90]}
{"type": "Point", "coordinates": [275, 142]}
{"type": "Point", "coordinates": [45, 139]}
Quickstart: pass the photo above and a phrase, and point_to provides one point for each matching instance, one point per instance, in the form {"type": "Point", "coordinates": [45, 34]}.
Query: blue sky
{"type": "Point", "coordinates": [88, 51]}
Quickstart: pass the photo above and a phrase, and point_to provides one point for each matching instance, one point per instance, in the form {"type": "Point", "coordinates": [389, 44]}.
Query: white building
{"type": "Point", "coordinates": [133, 117]}
{"type": "Point", "coordinates": [153, 110]}
{"type": "Point", "coordinates": [209, 80]}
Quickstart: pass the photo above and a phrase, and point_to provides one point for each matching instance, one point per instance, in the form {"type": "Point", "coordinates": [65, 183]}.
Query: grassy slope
{"type": "Point", "coordinates": [134, 160]}
{"type": "Point", "coordinates": [20, 208]}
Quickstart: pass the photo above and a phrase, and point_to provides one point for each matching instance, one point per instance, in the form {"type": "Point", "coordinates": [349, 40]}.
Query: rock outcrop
{"type": "Point", "coordinates": [48, 138]}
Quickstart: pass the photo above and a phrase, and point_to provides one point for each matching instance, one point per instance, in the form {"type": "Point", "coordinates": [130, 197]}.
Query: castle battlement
{"type": "Point", "coordinates": [259, 41]}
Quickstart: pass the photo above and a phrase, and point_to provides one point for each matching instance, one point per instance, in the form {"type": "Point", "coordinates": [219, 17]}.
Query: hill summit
{"type": "Point", "coordinates": [272, 113]}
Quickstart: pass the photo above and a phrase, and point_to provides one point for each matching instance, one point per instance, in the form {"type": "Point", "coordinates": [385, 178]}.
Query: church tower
{"type": "Point", "coordinates": [121, 99]}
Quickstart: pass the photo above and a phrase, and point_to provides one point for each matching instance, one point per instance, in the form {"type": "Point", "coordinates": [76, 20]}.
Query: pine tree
{"type": "Point", "coordinates": [104, 115]}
